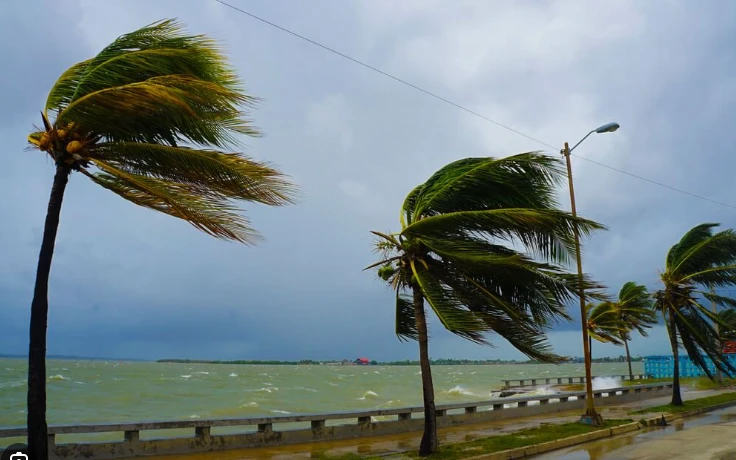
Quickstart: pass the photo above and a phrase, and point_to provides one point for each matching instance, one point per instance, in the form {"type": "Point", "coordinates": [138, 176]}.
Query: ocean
{"type": "Point", "coordinates": [81, 392]}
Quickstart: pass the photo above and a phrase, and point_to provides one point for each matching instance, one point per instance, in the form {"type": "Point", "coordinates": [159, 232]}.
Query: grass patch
{"type": "Point", "coordinates": [695, 383]}
{"type": "Point", "coordinates": [523, 438]}
{"type": "Point", "coordinates": [690, 405]}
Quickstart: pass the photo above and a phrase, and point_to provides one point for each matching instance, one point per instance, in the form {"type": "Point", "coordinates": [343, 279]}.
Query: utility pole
{"type": "Point", "coordinates": [719, 374]}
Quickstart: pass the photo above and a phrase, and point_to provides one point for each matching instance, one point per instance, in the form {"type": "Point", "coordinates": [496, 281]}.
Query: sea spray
{"type": "Point", "coordinates": [606, 383]}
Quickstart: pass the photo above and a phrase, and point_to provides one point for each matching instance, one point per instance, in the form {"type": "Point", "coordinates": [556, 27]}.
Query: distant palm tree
{"type": "Point", "coordinates": [146, 119]}
{"type": "Point", "coordinates": [603, 324]}
{"type": "Point", "coordinates": [450, 253]}
{"type": "Point", "coordinates": [700, 261]}
{"type": "Point", "coordinates": [635, 313]}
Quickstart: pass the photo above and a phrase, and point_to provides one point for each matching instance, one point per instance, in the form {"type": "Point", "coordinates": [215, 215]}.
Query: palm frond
{"type": "Point", "coordinates": [406, 326]}
{"type": "Point", "coordinates": [165, 109]}
{"type": "Point", "coordinates": [453, 315]}
{"type": "Point", "coordinates": [524, 180]}
{"type": "Point", "coordinates": [63, 91]}
{"type": "Point", "coordinates": [690, 239]}
{"type": "Point", "coordinates": [728, 324]}
{"type": "Point", "coordinates": [216, 217]}
{"type": "Point", "coordinates": [229, 175]}
{"type": "Point", "coordinates": [604, 323]}
{"type": "Point", "coordinates": [700, 340]}
{"type": "Point", "coordinates": [407, 208]}
{"type": "Point", "coordinates": [545, 232]}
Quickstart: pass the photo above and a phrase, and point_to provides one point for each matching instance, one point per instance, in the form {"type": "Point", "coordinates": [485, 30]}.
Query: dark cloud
{"type": "Point", "coordinates": [129, 282]}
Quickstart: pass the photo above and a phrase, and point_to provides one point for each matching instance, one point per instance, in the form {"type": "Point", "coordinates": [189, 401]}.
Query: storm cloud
{"type": "Point", "coordinates": [127, 282]}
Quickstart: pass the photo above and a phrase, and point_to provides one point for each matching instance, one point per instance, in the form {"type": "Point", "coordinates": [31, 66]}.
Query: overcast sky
{"type": "Point", "coordinates": [127, 282]}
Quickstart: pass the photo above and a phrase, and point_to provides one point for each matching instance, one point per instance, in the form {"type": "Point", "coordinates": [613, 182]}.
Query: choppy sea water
{"type": "Point", "coordinates": [109, 392]}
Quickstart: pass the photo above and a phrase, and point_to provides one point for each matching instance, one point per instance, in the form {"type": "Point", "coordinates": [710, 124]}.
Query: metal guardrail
{"type": "Point", "coordinates": [266, 424]}
{"type": "Point", "coordinates": [561, 380]}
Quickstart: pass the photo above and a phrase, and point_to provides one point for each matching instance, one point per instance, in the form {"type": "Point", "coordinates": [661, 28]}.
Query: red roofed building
{"type": "Point", "coordinates": [362, 361]}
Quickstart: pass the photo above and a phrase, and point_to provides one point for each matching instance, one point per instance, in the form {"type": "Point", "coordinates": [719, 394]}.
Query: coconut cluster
{"type": "Point", "coordinates": [66, 144]}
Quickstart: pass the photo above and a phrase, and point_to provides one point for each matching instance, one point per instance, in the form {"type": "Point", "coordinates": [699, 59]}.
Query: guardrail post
{"type": "Point", "coordinates": [521, 404]}
{"type": "Point", "coordinates": [598, 395]}
{"type": "Point", "coordinates": [564, 399]}
{"type": "Point", "coordinates": [405, 416]}
{"type": "Point", "coordinates": [559, 381]}
{"type": "Point", "coordinates": [202, 432]}
{"type": "Point", "coordinates": [265, 427]}
{"type": "Point", "coordinates": [440, 412]}
{"type": "Point", "coordinates": [546, 381]}
{"type": "Point", "coordinates": [471, 410]}
{"type": "Point", "coordinates": [132, 436]}
{"type": "Point", "coordinates": [497, 406]}
{"type": "Point", "coordinates": [364, 420]}
{"type": "Point", "coordinates": [534, 382]}
{"type": "Point", "coordinates": [569, 380]}
{"type": "Point", "coordinates": [318, 428]}
{"type": "Point", "coordinates": [521, 383]}
{"type": "Point", "coordinates": [51, 440]}
{"type": "Point", "coordinates": [543, 401]}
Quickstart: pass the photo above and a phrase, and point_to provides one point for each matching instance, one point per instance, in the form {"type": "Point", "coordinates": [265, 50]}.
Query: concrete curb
{"type": "Point", "coordinates": [521, 452]}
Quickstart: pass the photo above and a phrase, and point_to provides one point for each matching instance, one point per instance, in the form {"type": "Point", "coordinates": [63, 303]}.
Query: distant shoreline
{"type": "Point", "coordinates": [434, 362]}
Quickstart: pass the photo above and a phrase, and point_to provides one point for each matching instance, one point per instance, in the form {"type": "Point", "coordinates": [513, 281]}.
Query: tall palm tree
{"type": "Point", "coordinates": [450, 253]}
{"type": "Point", "coordinates": [603, 324]}
{"type": "Point", "coordinates": [700, 261]}
{"type": "Point", "coordinates": [635, 313]}
{"type": "Point", "coordinates": [147, 118]}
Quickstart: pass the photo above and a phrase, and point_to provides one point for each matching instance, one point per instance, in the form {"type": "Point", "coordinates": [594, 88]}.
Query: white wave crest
{"type": "Point", "coordinates": [458, 390]}
{"type": "Point", "coordinates": [605, 383]}
{"type": "Point", "coordinates": [368, 395]}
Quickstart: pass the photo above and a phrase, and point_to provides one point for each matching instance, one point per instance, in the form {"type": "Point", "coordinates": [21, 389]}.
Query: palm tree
{"type": "Point", "coordinates": [450, 253]}
{"type": "Point", "coordinates": [635, 313]}
{"type": "Point", "coordinates": [603, 324]}
{"type": "Point", "coordinates": [147, 118]}
{"type": "Point", "coordinates": [700, 261]}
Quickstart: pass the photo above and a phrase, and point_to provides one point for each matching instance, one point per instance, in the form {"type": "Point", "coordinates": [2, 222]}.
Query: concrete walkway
{"type": "Point", "coordinates": [410, 441]}
{"type": "Point", "coordinates": [708, 437]}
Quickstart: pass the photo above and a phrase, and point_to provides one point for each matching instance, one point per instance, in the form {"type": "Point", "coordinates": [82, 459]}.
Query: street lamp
{"type": "Point", "coordinates": [591, 417]}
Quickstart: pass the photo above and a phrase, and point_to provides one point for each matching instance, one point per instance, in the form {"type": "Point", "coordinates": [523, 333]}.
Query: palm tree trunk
{"type": "Point", "coordinates": [628, 358]}
{"type": "Point", "coordinates": [37, 429]}
{"type": "Point", "coordinates": [429, 441]}
{"type": "Point", "coordinates": [676, 396]}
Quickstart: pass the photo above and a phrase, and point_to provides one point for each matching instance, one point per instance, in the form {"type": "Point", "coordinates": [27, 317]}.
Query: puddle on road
{"type": "Point", "coordinates": [599, 450]}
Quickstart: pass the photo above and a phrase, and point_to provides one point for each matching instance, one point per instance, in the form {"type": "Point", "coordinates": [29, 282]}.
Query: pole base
{"type": "Point", "coordinates": [592, 420]}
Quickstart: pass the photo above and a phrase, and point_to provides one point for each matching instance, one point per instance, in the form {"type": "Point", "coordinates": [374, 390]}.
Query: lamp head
{"type": "Point", "coordinates": [607, 128]}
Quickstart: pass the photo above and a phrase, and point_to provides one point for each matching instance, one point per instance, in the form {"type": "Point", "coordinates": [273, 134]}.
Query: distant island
{"type": "Point", "coordinates": [364, 361]}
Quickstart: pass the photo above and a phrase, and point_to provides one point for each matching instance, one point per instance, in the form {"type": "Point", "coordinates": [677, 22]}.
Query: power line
{"type": "Point", "coordinates": [385, 74]}
{"type": "Point", "coordinates": [458, 106]}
